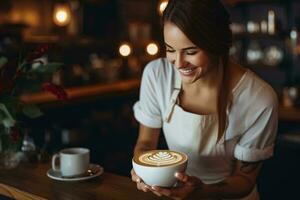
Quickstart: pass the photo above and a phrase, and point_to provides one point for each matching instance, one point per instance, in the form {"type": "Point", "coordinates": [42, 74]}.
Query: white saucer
{"type": "Point", "coordinates": [93, 171]}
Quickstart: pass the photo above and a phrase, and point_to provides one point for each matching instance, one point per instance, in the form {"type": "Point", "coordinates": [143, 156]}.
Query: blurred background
{"type": "Point", "coordinates": [105, 45]}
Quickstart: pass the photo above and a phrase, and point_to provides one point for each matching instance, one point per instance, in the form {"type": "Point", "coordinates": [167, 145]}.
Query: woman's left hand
{"type": "Point", "coordinates": [187, 185]}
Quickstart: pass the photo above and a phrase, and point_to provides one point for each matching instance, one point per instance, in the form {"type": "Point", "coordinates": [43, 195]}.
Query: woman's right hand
{"type": "Point", "coordinates": [139, 182]}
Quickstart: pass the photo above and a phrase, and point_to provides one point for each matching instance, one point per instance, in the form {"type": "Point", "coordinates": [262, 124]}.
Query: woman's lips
{"type": "Point", "coordinates": [188, 71]}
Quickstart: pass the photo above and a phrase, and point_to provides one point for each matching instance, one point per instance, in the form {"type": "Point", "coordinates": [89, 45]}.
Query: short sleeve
{"type": "Point", "coordinates": [146, 110]}
{"type": "Point", "coordinates": [257, 142]}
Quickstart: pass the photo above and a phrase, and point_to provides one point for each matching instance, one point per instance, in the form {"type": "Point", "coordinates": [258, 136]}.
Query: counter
{"type": "Point", "coordinates": [29, 181]}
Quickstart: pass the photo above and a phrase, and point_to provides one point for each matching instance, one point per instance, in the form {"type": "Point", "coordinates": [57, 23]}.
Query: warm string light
{"type": "Point", "coordinates": [152, 49]}
{"type": "Point", "coordinates": [162, 6]}
{"type": "Point", "coordinates": [125, 50]}
{"type": "Point", "coordinates": [62, 15]}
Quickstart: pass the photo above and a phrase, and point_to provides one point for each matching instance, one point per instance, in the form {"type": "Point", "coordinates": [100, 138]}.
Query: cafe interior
{"type": "Point", "coordinates": [103, 47]}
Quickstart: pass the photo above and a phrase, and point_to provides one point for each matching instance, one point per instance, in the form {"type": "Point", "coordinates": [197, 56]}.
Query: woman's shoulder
{"type": "Point", "coordinates": [159, 69]}
{"type": "Point", "coordinates": [262, 90]}
{"type": "Point", "coordinates": [159, 65]}
{"type": "Point", "coordinates": [158, 78]}
{"type": "Point", "coordinates": [254, 92]}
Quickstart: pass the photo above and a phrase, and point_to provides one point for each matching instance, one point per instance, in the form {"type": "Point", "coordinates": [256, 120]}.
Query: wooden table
{"type": "Point", "coordinates": [29, 181]}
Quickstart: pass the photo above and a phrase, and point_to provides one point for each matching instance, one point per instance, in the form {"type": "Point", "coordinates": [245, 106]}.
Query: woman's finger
{"type": "Point", "coordinates": [138, 186]}
{"type": "Point", "coordinates": [156, 193]}
{"type": "Point", "coordinates": [134, 177]}
{"type": "Point", "coordinates": [188, 180]}
{"type": "Point", "coordinates": [144, 187]}
{"type": "Point", "coordinates": [162, 191]}
{"type": "Point", "coordinates": [182, 177]}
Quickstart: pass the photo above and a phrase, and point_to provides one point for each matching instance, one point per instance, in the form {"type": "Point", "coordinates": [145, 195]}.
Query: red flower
{"type": "Point", "coordinates": [57, 90]}
{"type": "Point", "coordinates": [14, 134]}
{"type": "Point", "coordinates": [39, 52]}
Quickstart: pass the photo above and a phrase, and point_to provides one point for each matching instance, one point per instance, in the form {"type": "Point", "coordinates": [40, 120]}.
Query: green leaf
{"type": "Point", "coordinates": [8, 121]}
{"type": "Point", "coordinates": [10, 103]}
{"type": "Point", "coordinates": [2, 115]}
{"type": "Point", "coordinates": [49, 68]}
{"type": "Point", "coordinates": [3, 61]}
{"type": "Point", "coordinates": [32, 111]}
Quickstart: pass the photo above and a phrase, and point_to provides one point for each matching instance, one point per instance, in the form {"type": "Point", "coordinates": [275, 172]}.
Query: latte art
{"type": "Point", "coordinates": [161, 158]}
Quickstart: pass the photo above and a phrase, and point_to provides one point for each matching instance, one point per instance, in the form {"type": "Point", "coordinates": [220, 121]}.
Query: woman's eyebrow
{"type": "Point", "coordinates": [168, 46]}
{"type": "Point", "coordinates": [187, 48]}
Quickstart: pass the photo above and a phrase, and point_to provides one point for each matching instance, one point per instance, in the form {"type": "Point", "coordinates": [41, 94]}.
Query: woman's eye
{"type": "Point", "coordinates": [191, 53]}
{"type": "Point", "coordinates": [170, 50]}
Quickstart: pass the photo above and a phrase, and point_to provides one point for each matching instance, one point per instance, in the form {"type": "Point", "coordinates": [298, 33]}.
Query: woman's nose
{"type": "Point", "coordinates": [179, 61]}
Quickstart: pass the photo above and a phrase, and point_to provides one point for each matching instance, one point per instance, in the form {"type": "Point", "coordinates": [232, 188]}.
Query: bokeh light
{"type": "Point", "coordinates": [152, 49]}
{"type": "Point", "coordinates": [162, 6]}
{"type": "Point", "coordinates": [125, 50]}
{"type": "Point", "coordinates": [62, 15]}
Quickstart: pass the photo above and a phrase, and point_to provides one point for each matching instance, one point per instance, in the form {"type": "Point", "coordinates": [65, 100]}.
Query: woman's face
{"type": "Point", "coordinates": [191, 61]}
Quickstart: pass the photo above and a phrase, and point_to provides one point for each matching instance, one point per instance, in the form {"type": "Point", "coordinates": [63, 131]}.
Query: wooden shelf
{"type": "Point", "coordinates": [81, 92]}
{"type": "Point", "coordinates": [286, 114]}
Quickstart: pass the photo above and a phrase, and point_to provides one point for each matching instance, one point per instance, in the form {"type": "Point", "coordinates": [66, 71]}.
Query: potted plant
{"type": "Point", "coordinates": [16, 77]}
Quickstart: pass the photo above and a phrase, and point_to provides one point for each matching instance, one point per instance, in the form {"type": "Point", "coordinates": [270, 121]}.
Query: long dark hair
{"type": "Point", "coordinates": [206, 24]}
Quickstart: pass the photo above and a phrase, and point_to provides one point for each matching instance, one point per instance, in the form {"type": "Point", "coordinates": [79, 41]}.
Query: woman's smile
{"type": "Point", "coordinates": [187, 71]}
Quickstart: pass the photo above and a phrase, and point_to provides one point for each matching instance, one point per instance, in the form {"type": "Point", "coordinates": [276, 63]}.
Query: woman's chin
{"type": "Point", "coordinates": [188, 80]}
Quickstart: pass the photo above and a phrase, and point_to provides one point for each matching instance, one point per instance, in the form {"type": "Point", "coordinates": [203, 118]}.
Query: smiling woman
{"type": "Point", "coordinates": [221, 115]}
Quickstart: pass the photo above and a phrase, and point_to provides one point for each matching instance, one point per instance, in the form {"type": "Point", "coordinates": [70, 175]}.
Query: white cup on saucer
{"type": "Point", "coordinates": [73, 161]}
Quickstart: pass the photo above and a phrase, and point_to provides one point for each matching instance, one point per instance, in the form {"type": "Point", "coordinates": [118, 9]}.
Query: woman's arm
{"type": "Point", "coordinates": [239, 185]}
{"type": "Point", "coordinates": [147, 140]}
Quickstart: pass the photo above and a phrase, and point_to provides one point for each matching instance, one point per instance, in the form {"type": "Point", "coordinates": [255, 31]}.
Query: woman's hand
{"type": "Point", "coordinates": [187, 185]}
{"type": "Point", "coordinates": [139, 183]}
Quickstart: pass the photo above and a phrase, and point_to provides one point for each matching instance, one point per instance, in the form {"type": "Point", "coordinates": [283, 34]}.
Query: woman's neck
{"type": "Point", "coordinates": [200, 97]}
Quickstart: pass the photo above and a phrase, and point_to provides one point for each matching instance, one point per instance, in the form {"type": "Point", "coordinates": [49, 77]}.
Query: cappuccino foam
{"type": "Point", "coordinates": [160, 158]}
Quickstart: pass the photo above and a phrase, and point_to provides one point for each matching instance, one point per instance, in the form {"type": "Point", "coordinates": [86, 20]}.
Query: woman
{"type": "Point", "coordinates": [220, 114]}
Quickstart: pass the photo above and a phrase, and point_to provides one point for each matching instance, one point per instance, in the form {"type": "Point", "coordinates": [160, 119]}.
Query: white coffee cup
{"type": "Point", "coordinates": [73, 161]}
{"type": "Point", "coordinates": [159, 173]}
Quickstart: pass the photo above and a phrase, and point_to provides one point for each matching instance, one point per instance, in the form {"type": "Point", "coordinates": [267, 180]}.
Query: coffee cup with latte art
{"type": "Point", "coordinates": [158, 167]}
